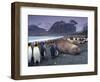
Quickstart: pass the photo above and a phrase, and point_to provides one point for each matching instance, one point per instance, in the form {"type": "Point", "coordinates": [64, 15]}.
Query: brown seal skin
{"type": "Point", "coordinates": [65, 46]}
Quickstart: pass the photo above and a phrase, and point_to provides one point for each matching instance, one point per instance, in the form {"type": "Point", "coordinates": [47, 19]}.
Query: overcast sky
{"type": "Point", "coordinates": [47, 21]}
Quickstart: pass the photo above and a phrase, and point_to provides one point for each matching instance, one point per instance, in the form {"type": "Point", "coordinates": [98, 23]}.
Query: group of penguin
{"type": "Point", "coordinates": [37, 53]}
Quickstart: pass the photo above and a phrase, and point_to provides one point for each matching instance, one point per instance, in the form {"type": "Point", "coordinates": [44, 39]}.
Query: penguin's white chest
{"type": "Point", "coordinates": [29, 53]}
{"type": "Point", "coordinates": [36, 54]}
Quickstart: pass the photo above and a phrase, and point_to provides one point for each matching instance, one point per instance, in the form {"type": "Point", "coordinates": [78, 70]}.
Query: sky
{"type": "Point", "coordinates": [47, 21]}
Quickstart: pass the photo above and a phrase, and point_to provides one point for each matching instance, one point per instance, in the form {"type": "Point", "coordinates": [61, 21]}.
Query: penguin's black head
{"type": "Point", "coordinates": [29, 44]}
{"type": "Point", "coordinates": [36, 44]}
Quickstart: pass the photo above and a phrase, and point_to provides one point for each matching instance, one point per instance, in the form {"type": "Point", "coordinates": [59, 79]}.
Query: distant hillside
{"type": "Point", "coordinates": [35, 30]}
{"type": "Point", "coordinates": [58, 28]}
{"type": "Point", "coordinates": [85, 29]}
{"type": "Point", "coordinates": [61, 27]}
{"type": "Point", "coordinates": [84, 32]}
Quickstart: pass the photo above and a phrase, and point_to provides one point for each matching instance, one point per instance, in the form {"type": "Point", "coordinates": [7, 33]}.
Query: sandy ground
{"type": "Point", "coordinates": [67, 59]}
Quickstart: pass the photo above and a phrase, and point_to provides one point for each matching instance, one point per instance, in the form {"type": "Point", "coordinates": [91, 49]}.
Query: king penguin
{"type": "Point", "coordinates": [29, 54]}
{"type": "Point", "coordinates": [36, 53]}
